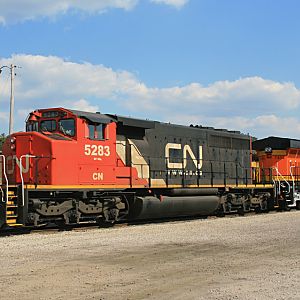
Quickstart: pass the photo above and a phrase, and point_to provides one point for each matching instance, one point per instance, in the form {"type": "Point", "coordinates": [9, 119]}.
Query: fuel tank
{"type": "Point", "coordinates": [151, 207]}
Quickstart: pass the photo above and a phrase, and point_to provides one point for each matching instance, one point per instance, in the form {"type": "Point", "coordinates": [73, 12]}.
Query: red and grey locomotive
{"type": "Point", "coordinates": [73, 166]}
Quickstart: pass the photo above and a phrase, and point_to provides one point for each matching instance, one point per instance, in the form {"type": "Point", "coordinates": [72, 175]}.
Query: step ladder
{"type": "Point", "coordinates": [9, 196]}
{"type": "Point", "coordinates": [12, 209]}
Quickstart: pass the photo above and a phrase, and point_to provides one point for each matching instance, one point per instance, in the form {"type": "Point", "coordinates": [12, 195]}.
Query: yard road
{"type": "Point", "coordinates": [252, 257]}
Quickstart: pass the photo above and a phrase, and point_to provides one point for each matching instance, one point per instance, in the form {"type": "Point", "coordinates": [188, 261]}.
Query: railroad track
{"type": "Point", "coordinates": [50, 229]}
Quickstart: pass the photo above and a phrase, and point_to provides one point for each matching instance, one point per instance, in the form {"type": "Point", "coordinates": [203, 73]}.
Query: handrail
{"type": "Point", "coordinates": [21, 174]}
{"type": "Point", "coordinates": [2, 195]}
{"type": "Point", "coordinates": [283, 179]}
{"type": "Point", "coordinates": [274, 183]}
{"type": "Point", "coordinates": [292, 179]}
{"type": "Point", "coordinates": [6, 179]}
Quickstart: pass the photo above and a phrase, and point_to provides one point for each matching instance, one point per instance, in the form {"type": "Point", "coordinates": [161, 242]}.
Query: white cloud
{"type": "Point", "coordinates": [175, 3]}
{"type": "Point", "coordinates": [43, 77]}
{"type": "Point", "coordinates": [13, 11]}
{"type": "Point", "coordinates": [260, 126]}
{"type": "Point", "coordinates": [2, 20]}
{"type": "Point", "coordinates": [83, 105]}
{"type": "Point", "coordinates": [282, 126]}
{"type": "Point", "coordinates": [255, 105]}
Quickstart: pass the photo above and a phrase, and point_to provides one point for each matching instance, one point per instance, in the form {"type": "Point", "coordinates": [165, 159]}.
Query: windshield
{"type": "Point", "coordinates": [32, 126]}
{"type": "Point", "coordinates": [67, 127]}
{"type": "Point", "coordinates": [48, 125]}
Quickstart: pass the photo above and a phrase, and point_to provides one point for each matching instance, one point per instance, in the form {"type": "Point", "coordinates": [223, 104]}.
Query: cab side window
{"type": "Point", "coordinates": [96, 131]}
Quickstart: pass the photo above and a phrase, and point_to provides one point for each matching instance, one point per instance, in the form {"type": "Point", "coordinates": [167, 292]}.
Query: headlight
{"type": "Point", "coordinates": [12, 140]}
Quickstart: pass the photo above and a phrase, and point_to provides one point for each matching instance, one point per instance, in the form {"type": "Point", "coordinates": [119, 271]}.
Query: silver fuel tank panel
{"type": "Point", "coordinates": [153, 208]}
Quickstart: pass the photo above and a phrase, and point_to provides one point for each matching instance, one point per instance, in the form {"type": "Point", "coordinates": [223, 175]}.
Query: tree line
{"type": "Point", "coordinates": [2, 139]}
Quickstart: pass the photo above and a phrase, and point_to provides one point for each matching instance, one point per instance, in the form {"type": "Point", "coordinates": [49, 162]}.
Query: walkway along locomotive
{"type": "Point", "coordinates": [73, 166]}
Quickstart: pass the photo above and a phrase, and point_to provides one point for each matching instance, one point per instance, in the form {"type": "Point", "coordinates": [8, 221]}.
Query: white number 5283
{"type": "Point", "coordinates": [96, 150]}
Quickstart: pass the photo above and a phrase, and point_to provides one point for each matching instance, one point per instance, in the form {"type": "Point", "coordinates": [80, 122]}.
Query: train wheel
{"type": "Point", "coordinates": [257, 209]}
{"type": "Point", "coordinates": [241, 211]}
{"type": "Point", "coordinates": [111, 215]}
{"type": "Point", "coordinates": [264, 205]}
{"type": "Point", "coordinates": [60, 223]}
{"type": "Point", "coordinates": [220, 214]}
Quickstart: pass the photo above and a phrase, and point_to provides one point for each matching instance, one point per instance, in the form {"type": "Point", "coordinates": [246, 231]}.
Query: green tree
{"type": "Point", "coordinates": [2, 139]}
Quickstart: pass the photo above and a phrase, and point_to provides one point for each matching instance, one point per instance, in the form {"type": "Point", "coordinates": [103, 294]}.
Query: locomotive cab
{"type": "Point", "coordinates": [51, 123]}
{"type": "Point", "coordinates": [59, 142]}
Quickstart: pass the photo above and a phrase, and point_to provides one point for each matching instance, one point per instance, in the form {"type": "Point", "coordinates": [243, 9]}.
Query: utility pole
{"type": "Point", "coordinates": [12, 98]}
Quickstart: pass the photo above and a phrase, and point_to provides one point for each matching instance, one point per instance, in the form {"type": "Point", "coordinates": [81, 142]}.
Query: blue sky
{"type": "Point", "coordinates": [224, 63]}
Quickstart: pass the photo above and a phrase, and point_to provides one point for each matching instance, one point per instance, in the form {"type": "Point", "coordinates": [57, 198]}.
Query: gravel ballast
{"type": "Point", "coordinates": [253, 257]}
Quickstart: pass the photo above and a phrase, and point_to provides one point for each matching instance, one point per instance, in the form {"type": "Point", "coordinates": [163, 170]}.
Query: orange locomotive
{"type": "Point", "coordinates": [72, 166]}
{"type": "Point", "coordinates": [279, 158]}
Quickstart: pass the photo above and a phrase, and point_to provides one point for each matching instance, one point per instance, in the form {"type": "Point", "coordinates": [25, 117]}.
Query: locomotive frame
{"type": "Point", "coordinates": [107, 168]}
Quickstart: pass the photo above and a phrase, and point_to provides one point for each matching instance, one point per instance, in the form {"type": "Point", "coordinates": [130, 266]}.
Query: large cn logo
{"type": "Point", "coordinates": [186, 154]}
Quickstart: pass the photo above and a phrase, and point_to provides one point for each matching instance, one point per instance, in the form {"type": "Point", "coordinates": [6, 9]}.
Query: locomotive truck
{"type": "Point", "coordinates": [72, 166]}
